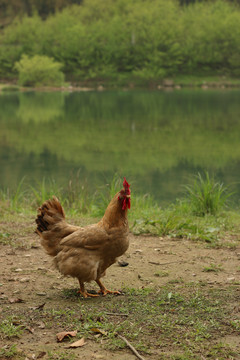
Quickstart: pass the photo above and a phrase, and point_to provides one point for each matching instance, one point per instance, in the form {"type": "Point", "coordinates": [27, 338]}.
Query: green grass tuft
{"type": "Point", "coordinates": [206, 196]}
{"type": "Point", "coordinates": [10, 329]}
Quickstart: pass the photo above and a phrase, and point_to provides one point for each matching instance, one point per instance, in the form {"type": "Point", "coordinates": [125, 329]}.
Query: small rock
{"type": "Point", "coordinates": [231, 278]}
{"type": "Point", "coordinates": [41, 294]}
{"type": "Point", "coordinates": [41, 325]}
{"type": "Point", "coordinates": [168, 82]}
{"type": "Point", "coordinates": [18, 270]}
{"type": "Point", "coordinates": [138, 251]}
{"type": "Point", "coordinates": [23, 280]}
{"type": "Point", "coordinates": [122, 263]}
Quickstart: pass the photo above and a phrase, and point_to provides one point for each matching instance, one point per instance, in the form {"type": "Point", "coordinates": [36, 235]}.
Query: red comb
{"type": "Point", "coordinates": [126, 185]}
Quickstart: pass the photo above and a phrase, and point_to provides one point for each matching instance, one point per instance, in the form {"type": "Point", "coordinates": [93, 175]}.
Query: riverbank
{"type": "Point", "coordinates": [168, 84]}
{"type": "Point", "coordinates": [204, 214]}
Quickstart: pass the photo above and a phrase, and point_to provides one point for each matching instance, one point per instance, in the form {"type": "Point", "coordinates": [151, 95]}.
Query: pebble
{"type": "Point", "coordinates": [138, 251]}
{"type": "Point", "coordinates": [23, 280]}
{"type": "Point", "coordinates": [41, 294]}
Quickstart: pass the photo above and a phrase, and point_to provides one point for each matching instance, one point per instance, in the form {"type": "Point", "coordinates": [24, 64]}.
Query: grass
{"type": "Point", "coordinates": [9, 328]}
{"type": "Point", "coordinates": [185, 318]}
{"type": "Point", "coordinates": [177, 321]}
{"type": "Point", "coordinates": [213, 268]}
{"type": "Point", "coordinates": [206, 196]}
{"type": "Point", "coordinates": [201, 214]}
{"type": "Point", "coordinates": [8, 352]}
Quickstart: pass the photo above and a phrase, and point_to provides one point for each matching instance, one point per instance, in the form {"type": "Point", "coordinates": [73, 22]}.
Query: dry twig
{"type": "Point", "coordinates": [131, 347]}
{"type": "Point", "coordinates": [167, 263]}
{"type": "Point", "coordinates": [116, 314]}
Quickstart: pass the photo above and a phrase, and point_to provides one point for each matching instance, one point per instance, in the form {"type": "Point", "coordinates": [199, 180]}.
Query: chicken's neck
{"type": "Point", "coordinates": [114, 215]}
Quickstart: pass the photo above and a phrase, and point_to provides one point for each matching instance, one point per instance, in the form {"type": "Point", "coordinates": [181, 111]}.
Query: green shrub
{"type": "Point", "coordinates": [39, 71]}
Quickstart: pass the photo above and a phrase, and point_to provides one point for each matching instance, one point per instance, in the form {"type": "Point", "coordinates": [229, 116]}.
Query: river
{"type": "Point", "coordinates": [157, 139]}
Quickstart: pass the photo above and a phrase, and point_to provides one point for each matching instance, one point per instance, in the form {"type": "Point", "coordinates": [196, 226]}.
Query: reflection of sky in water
{"type": "Point", "coordinates": [156, 139]}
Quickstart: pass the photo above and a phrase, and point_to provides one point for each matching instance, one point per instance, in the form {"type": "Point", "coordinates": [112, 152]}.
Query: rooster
{"type": "Point", "coordinates": [85, 252]}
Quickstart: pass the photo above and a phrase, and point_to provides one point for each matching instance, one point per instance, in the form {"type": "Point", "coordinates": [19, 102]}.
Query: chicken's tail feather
{"type": "Point", "coordinates": [49, 214]}
{"type": "Point", "coordinates": [51, 226]}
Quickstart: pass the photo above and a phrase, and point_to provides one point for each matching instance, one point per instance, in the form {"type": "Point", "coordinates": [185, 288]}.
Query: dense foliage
{"type": "Point", "coordinates": [10, 9]}
{"type": "Point", "coordinates": [39, 70]}
{"type": "Point", "coordinates": [125, 38]}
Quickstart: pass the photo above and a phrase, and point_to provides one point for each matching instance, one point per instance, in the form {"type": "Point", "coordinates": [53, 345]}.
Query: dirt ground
{"type": "Point", "coordinates": [27, 274]}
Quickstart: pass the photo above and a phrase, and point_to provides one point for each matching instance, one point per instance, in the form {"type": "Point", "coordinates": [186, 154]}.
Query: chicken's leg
{"type": "Point", "coordinates": [83, 292]}
{"type": "Point", "coordinates": [105, 291]}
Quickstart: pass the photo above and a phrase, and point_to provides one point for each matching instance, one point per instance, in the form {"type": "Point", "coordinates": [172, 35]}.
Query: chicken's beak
{"type": "Point", "coordinates": [128, 196]}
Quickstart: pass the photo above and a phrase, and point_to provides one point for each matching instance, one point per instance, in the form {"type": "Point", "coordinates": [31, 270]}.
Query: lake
{"type": "Point", "coordinates": [157, 139]}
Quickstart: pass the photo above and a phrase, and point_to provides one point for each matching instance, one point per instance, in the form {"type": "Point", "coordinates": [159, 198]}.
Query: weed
{"type": "Point", "coordinates": [206, 196]}
{"type": "Point", "coordinates": [4, 238]}
{"type": "Point", "coordinates": [106, 193]}
{"type": "Point", "coordinates": [161, 274]}
{"type": "Point", "coordinates": [44, 190]}
{"type": "Point", "coordinates": [221, 351]}
{"type": "Point", "coordinates": [9, 328]}
{"type": "Point", "coordinates": [8, 351]}
{"type": "Point", "coordinates": [15, 198]}
{"type": "Point", "coordinates": [213, 268]}
{"type": "Point", "coordinates": [236, 324]}
{"type": "Point", "coordinates": [145, 217]}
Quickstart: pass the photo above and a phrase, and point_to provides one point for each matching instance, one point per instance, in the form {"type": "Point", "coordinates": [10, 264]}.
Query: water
{"type": "Point", "coordinates": [156, 139]}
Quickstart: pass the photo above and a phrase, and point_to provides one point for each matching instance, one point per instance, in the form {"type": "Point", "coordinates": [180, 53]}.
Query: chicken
{"type": "Point", "coordinates": [85, 252]}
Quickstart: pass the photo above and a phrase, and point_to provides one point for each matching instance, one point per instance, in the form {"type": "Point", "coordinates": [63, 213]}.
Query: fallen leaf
{"type": "Point", "coordinates": [39, 307]}
{"type": "Point", "coordinates": [41, 354]}
{"type": "Point", "coordinates": [41, 325]}
{"type": "Point", "coordinates": [63, 334]}
{"type": "Point", "coordinates": [78, 343]}
{"type": "Point", "coordinates": [15, 300]}
{"type": "Point", "coordinates": [31, 330]}
{"type": "Point", "coordinates": [99, 331]}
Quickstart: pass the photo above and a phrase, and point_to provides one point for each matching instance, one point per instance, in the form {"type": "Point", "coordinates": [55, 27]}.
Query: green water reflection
{"type": "Point", "coordinates": [156, 139]}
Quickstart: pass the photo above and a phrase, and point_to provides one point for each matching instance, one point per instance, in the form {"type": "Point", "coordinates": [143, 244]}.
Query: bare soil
{"type": "Point", "coordinates": [27, 276]}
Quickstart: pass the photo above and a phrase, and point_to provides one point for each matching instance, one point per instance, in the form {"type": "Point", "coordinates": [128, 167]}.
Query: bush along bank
{"type": "Point", "coordinates": [121, 41]}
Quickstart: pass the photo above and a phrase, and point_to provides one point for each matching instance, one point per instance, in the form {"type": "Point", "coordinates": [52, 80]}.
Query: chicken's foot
{"type": "Point", "coordinates": [104, 291]}
{"type": "Point", "coordinates": [84, 293]}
